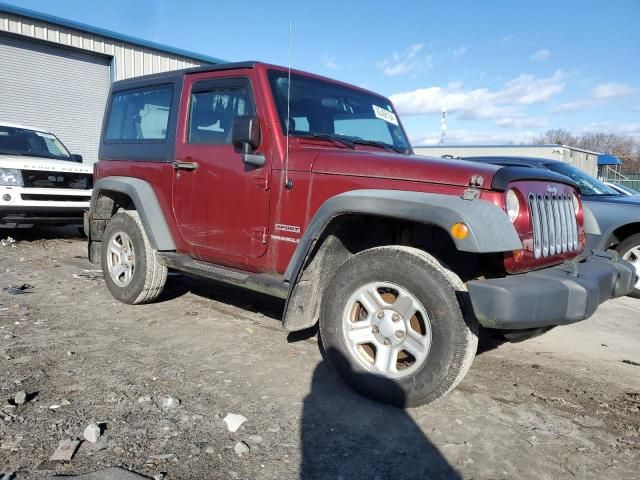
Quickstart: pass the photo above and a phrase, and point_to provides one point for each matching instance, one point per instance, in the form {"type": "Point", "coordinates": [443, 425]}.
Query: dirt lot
{"type": "Point", "coordinates": [564, 405]}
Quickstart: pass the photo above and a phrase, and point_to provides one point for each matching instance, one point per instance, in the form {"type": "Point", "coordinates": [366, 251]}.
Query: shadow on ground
{"type": "Point", "coordinates": [42, 233]}
{"type": "Point", "coordinates": [179, 285]}
{"type": "Point", "coordinates": [346, 436]}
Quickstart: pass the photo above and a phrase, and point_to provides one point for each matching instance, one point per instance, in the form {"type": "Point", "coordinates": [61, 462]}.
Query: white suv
{"type": "Point", "coordinates": [40, 181]}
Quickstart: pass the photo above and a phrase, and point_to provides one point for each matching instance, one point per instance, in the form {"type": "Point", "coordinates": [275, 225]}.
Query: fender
{"type": "Point", "coordinates": [606, 219]}
{"type": "Point", "coordinates": [146, 203]}
{"type": "Point", "coordinates": [490, 229]}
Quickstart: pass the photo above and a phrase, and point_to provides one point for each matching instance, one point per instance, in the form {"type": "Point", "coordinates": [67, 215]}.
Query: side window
{"type": "Point", "coordinates": [213, 109]}
{"type": "Point", "coordinates": [140, 114]}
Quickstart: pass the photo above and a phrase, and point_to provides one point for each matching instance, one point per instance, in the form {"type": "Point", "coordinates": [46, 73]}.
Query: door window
{"type": "Point", "coordinates": [214, 106]}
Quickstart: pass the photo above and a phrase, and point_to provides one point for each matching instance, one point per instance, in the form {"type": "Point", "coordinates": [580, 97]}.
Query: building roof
{"type": "Point", "coordinates": [606, 159]}
{"type": "Point", "coordinates": [43, 17]}
{"type": "Point", "coordinates": [546, 145]}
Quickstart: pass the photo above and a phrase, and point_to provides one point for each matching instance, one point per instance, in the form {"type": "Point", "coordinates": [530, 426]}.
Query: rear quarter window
{"type": "Point", "coordinates": [139, 115]}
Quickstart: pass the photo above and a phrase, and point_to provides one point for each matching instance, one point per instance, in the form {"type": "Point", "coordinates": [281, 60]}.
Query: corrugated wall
{"type": "Point", "coordinates": [130, 60]}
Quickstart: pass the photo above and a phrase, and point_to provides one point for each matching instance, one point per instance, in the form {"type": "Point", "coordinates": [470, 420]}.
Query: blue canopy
{"type": "Point", "coordinates": [606, 159]}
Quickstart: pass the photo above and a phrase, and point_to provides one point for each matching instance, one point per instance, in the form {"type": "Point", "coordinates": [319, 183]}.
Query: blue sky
{"type": "Point", "coordinates": [504, 70]}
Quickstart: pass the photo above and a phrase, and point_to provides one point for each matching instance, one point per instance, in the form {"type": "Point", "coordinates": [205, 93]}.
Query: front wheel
{"type": "Point", "coordinates": [395, 326]}
{"type": "Point", "coordinates": [132, 270]}
{"type": "Point", "coordinates": [629, 250]}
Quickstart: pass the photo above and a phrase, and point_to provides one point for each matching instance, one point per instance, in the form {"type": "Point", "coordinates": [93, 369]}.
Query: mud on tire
{"type": "Point", "coordinates": [132, 269]}
{"type": "Point", "coordinates": [419, 304]}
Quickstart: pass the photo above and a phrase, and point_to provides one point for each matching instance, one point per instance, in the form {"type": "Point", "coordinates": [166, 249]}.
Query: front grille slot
{"type": "Point", "coordinates": [38, 197]}
{"type": "Point", "coordinates": [45, 179]}
{"type": "Point", "coordinates": [555, 230]}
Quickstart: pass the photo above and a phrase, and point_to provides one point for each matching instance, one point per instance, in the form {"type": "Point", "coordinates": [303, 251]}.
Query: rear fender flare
{"type": "Point", "coordinates": [147, 205]}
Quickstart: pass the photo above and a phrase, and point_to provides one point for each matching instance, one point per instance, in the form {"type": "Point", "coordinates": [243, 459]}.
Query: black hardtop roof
{"type": "Point", "coordinates": [173, 75]}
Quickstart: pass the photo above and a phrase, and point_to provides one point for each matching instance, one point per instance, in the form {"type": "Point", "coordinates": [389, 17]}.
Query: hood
{"type": "Point", "coordinates": [367, 163]}
{"type": "Point", "coordinates": [22, 162]}
{"type": "Point", "coordinates": [613, 199]}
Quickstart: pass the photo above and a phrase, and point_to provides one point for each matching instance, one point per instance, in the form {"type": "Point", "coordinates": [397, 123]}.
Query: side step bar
{"type": "Point", "coordinates": [260, 282]}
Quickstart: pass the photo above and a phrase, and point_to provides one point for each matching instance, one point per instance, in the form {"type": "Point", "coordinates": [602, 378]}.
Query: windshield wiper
{"type": "Point", "coordinates": [328, 137]}
{"type": "Point", "coordinates": [377, 143]}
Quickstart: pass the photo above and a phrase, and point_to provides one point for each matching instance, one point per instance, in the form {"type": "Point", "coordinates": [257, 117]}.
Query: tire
{"type": "Point", "coordinates": [143, 276]}
{"type": "Point", "coordinates": [629, 249]}
{"type": "Point", "coordinates": [425, 309]}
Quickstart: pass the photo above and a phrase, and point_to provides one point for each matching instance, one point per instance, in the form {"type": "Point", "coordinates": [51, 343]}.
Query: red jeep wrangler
{"type": "Point", "coordinates": [307, 189]}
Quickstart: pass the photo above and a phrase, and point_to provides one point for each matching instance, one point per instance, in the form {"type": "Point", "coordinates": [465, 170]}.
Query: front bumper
{"type": "Point", "coordinates": [557, 295]}
{"type": "Point", "coordinates": [20, 215]}
{"type": "Point", "coordinates": [49, 206]}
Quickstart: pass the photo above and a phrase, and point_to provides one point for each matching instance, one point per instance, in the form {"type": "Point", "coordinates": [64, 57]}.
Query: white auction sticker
{"type": "Point", "coordinates": [385, 115]}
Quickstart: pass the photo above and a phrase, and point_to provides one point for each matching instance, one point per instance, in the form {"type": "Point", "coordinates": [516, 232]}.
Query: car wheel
{"type": "Point", "coordinates": [629, 250]}
{"type": "Point", "coordinates": [132, 269]}
{"type": "Point", "coordinates": [396, 326]}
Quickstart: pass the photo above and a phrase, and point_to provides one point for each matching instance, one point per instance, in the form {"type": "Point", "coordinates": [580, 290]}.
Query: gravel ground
{"type": "Point", "coordinates": [564, 405]}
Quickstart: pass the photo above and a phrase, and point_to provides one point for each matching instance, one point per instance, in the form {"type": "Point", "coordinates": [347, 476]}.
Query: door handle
{"type": "Point", "coordinates": [178, 165]}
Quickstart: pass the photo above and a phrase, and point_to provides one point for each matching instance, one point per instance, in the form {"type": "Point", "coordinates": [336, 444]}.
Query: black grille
{"type": "Point", "coordinates": [43, 179]}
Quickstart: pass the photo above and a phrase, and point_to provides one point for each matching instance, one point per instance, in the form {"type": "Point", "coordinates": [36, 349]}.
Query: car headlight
{"type": "Point", "coordinates": [513, 205]}
{"type": "Point", "coordinates": [10, 177]}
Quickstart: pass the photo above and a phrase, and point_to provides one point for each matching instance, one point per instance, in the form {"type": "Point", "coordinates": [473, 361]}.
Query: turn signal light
{"type": "Point", "coordinates": [459, 231]}
{"type": "Point", "coordinates": [518, 255]}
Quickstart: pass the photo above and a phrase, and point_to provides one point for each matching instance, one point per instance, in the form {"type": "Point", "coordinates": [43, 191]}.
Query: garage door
{"type": "Point", "coordinates": [59, 89]}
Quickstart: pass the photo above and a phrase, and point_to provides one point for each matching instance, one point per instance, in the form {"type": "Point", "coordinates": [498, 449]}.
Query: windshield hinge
{"type": "Point", "coordinates": [262, 181]}
{"type": "Point", "coordinates": [476, 181]}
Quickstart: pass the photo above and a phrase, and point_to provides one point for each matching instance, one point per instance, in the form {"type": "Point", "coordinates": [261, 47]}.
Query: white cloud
{"type": "Point", "coordinates": [458, 52]}
{"type": "Point", "coordinates": [522, 121]}
{"type": "Point", "coordinates": [330, 62]}
{"type": "Point", "coordinates": [600, 94]}
{"type": "Point", "coordinates": [507, 39]}
{"type": "Point", "coordinates": [541, 55]}
{"type": "Point", "coordinates": [573, 106]}
{"type": "Point", "coordinates": [528, 89]}
{"type": "Point", "coordinates": [503, 105]}
{"type": "Point", "coordinates": [410, 60]}
{"type": "Point", "coordinates": [612, 90]}
{"type": "Point", "coordinates": [474, 137]}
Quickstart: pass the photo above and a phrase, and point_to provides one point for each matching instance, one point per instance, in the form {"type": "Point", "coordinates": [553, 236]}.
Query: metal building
{"type": "Point", "coordinates": [582, 159]}
{"type": "Point", "coordinates": [56, 73]}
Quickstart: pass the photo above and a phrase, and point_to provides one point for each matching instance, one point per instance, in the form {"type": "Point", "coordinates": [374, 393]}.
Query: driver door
{"type": "Point", "coordinates": [220, 203]}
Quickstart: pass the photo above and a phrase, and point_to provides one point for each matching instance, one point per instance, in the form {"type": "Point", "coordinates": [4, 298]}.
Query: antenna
{"type": "Point", "coordinates": [288, 184]}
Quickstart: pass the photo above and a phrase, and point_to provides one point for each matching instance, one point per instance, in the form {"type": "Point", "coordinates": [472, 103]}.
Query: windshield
{"type": "Point", "coordinates": [326, 110]}
{"type": "Point", "coordinates": [587, 184]}
{"type": "Point", "coordinates": [21, 141]}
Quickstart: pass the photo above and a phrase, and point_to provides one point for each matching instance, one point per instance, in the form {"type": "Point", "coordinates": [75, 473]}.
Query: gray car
{"type": "Point", "coordinates": [616, 215]}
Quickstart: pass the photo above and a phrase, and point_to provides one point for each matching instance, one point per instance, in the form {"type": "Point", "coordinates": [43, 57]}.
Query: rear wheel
{"type": "Point", "coordinates": [395, 326]}
{"type": "Point", "coordinates": [629, 250]}
{"type": "Point", "coordinates": [132, 269]}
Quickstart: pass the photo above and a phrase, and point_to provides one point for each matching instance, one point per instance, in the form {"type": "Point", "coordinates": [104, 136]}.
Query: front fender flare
{"type": "Point", "coordinates": [489, 227]}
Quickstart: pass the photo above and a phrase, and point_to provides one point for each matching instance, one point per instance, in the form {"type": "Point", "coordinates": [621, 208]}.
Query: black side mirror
{"type": "Point", "coordinates": [246, 131]}
{"type": "Point", "coordinates": [76, 158]}
{"type": "Point", "coordinates": [246, 138]}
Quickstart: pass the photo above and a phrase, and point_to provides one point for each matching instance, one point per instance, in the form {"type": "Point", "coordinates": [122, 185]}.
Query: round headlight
{"type": "Point", "coordinates": [513, 205]}
{"type": "Point", "coordinates": [576, 203]}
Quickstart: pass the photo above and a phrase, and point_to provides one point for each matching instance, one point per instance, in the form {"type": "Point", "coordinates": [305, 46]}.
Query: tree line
{"type": "Point", "coordinates": [627, 149]}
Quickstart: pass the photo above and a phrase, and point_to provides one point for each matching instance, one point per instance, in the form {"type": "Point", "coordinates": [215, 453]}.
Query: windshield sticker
{"type": "Point", "coordinates": [385, 115]}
